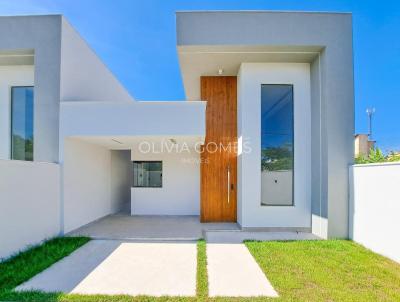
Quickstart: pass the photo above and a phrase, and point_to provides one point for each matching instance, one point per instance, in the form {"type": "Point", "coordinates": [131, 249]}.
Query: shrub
{"type": "Point", "coordinates": [393, 156]}
{"type": "Point", "coordinates": [376, 156]}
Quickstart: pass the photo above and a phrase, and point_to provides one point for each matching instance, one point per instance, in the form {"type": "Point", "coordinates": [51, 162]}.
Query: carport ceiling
{"type": "Point", "coordinates": [131, 142]}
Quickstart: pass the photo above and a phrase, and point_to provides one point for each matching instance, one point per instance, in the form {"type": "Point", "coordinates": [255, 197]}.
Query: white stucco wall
{"type": "Point", "coordinates": [177, 118]}
{"type": "Point", "coordinates": [29, 204]}
{"type": "Point", "coordinates": [276, 187]}
{"type": "Point", "coordinates": [180, 192]}
{"type": "Point", "coordinates": [84, 77]}
{"type": "Point", "coordinates": [87, 188]}
{"type": "Point", "coordinates": [375, 207]}
{"type": "Point", "coordinates": [96, 181]}
{"type": "Point", "coordinates": [87, 174]}
{"type": "Point", "coordinates": [251, 77]}
{"type": "Point", "coordinates": [10, 76]}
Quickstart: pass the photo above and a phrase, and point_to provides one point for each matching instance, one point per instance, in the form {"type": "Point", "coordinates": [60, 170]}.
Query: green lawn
{"type": "Point", "coordinates": [335, 270]}
{"type": "Point", "coordinates": [27, 264]}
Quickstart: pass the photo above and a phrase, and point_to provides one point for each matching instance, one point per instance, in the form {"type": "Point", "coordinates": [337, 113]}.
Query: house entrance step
{"type": "Point", "coordinates": [238, 236]}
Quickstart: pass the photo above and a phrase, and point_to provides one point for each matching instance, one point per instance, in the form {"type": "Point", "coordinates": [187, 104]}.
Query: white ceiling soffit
{"type": "Point", "coordinates": [196, 61]}
{"type": "Point", "coordinates": [133, 142]}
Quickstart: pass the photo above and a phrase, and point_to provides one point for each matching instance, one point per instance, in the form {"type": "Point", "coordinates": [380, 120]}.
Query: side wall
{"type": "Point", "coordinates": [319, 168]}
{"type": "Point", "coordinates": [29, 204]}
{"type": "Point", "coordinates": [96, 183]}
{"type": "Point", "coordinates": [10, 76]}
{"type": "Point", "coordinates": [87, 188]}
{"type": "Point", "coordinates": [84, 77]}
{"type": "Point", "coordinates": [180, 192]}
{"type": "Point", "coordinates": [375, 207]}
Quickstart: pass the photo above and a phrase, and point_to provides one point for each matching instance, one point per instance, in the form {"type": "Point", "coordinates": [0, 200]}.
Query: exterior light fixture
{"type": "Point", "coordinates": [114, 140]}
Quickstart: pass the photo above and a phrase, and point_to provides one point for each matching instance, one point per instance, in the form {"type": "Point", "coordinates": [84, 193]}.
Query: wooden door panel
{"type": "Point", "coordinates": [220, 150]}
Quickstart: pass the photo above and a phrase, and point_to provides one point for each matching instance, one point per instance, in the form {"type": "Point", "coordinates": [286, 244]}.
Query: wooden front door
{"type": "Point", "coordinates": [219, 154]}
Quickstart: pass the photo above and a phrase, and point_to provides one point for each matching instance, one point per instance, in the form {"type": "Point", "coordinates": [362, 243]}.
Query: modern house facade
{"type": "Point", "coordinates": [264, 137]}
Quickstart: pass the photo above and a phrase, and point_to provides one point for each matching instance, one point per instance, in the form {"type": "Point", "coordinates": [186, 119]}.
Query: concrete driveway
{"type": "Point", "coordinates": [116, 267]}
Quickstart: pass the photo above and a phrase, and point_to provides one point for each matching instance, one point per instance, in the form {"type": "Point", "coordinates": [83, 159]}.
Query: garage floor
{"type": "Point", "coordinates": [153, 228]}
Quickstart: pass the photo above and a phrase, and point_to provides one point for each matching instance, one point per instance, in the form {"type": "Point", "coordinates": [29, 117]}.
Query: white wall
{"type": "Point", "coordinates": [180, 192]}
{"type": "Point", "coordinates": [251, 77]}
{"type": "Point", "coordinates": [375, 207]}
{"type": "Point", "coordinates": [10, 76]}
{"type": "Point", "coordinates": [84, 77]}
{"type": "Point", "coordinates": [121, 180]}
{"type": "Point", "coordinates": [96, 182]}
{"type": "Point", "coordinates": [86, 183]}
{"type": "Point", "coordinates": [178, 118]}
{"type": "Point", "coordinates": [276, 187]}
{"type": "Point", "coordinates": [29, 204]}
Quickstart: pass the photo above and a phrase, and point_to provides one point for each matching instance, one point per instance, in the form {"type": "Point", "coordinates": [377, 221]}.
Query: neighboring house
{"type": "Point", "coordinates": [264, 138]}
{"type": "Point", "coordinates": [362, 145]}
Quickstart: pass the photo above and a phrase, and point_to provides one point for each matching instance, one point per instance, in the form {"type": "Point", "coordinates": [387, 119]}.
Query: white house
{"type": "Point", "coordinates": [264, 137]}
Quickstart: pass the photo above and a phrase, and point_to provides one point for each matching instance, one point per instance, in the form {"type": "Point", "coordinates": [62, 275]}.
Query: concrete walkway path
{"type": "Point", "coordinates": [233, 272]}
{"type": "Point", "coordinates": [116, 267]}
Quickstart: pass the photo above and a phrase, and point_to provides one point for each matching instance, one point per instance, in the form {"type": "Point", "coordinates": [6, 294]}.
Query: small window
{"type": "Point", "coordinates": [22, 123]}
{"type": "Point", "coordinates": [147, 174]}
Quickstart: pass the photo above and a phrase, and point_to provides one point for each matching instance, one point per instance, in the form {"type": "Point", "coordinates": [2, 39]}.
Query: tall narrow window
{"type": "Point", "coordinates": [277, 151]}
{"type": "Point", "coordinates": [147, 174]}
{"type": "Point", "coordinates": [22, 123]}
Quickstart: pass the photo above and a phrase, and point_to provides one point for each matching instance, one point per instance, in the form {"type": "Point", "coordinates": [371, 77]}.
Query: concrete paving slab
{"type": "Point", "coordinates": [115, 267]}
{"type": "Point", "coordinates": [233, 272]}
{"type": "Point", "coordinates": [150, 228]}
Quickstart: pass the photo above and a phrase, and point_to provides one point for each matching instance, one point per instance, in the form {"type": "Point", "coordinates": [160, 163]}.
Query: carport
{"type": "Point", "coordinates": [99, 141]}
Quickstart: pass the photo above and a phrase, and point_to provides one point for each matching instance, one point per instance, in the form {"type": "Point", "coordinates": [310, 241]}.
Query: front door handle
{"type": "Point", "coordinates": [229, 183]}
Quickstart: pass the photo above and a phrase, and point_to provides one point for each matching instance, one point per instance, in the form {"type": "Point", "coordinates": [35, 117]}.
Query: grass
{"type": "Point", "coordinates": [202, 278]}
{"type": "Point", "coordinates": [27, 264]}
{"type": "Point", "coordinates": [335, 270]}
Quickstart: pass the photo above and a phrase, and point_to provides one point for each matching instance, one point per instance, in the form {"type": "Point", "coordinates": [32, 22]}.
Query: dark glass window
{"type": "Point", "coordinates": [277, 152]}
{"type": "Point", "coordinates": [147, 174]}
{"type": "Point", "coordinates": [22, 123]}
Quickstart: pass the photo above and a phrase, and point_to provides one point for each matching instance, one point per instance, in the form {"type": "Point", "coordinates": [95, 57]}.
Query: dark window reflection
{"type": "Point", "coordinates": [277, 144]}
{"type": "Point", "coordinates": [22, 123]}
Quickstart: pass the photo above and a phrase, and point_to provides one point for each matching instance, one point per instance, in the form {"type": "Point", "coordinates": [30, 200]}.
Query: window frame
{"type": "Point", "coordinates": [146, 161]}
{"type": "Point", "coordinates": [293, 146]}
{"type": "Point", "coordinates": [12, 120]}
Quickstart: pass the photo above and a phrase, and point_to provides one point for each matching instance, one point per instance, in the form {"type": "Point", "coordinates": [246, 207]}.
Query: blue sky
{"type": "Point", "coordinates": [136, 39]}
